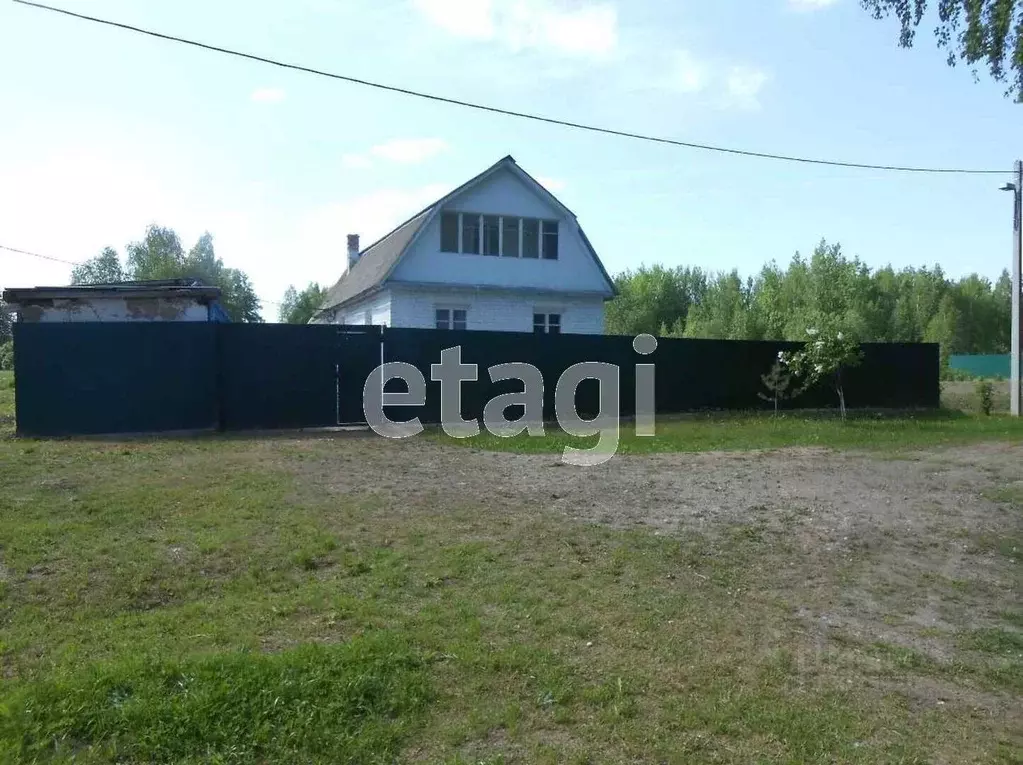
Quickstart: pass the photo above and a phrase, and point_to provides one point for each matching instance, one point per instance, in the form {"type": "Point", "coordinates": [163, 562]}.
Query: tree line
{"type": "Point", "coordinates": [967, 315]}
{"type": "Point", "coordinates": [160, 255]}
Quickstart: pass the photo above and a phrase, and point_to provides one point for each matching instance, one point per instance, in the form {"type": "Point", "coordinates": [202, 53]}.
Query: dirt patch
{"type": "Point", "coordinates": [906, 552]}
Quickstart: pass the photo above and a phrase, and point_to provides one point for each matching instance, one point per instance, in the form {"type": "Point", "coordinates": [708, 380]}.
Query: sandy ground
{"type": "Point", "coordinates": [907, 550]}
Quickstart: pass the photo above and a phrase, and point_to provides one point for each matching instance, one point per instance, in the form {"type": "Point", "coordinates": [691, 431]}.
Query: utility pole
{"type": "Point", "coordinates": [1017, 285]}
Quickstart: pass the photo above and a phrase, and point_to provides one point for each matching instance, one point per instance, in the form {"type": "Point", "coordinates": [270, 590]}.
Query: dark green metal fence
{"type": "Point", "coordinates": [114, 378]}
{"type": "Point", "coordinates": [124, 378]}
{"type": "Point", "coordinates": [690, 375]}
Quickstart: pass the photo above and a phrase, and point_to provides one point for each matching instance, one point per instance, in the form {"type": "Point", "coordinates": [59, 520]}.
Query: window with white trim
{"type": "Point", "coordinates": [550, 239]}
{"type": "Point", "coordinates": [491, 235]}
{"type": "Point", "coordinates": [507, 236]}
{"type": "Point", "coordinates": [449, 226]}
{"type": "Point", "coordinates": [510, 237]}
{"type": "Point", "coordinates": [450, 318]}
{"type": "Point", "coordinates": [470, 241]}
{"type": "Point", "coordinates": [547, 323]}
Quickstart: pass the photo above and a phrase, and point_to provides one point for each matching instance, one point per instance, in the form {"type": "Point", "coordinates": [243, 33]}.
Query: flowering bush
{"type": "Point", "coordinates": [825, 355]}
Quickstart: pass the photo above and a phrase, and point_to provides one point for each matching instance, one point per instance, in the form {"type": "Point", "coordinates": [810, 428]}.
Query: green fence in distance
{"type": "Point", "coordinates": [982, 365]}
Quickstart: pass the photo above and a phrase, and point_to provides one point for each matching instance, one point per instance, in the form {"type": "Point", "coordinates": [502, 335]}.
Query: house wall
{"type": "Point", "coordinates": [114, 309]}
{"type": "Point", "coordinates": [376, 308]}
{"type": "Point", "coordinates": [504, 193]}
{"type": "Point", "coordinates": [496, 311]}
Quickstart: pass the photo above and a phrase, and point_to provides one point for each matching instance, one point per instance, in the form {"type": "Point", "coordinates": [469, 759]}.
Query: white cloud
{"type": "Point", "coordinates": [743, 85]}
{"type": "Point", "coordinates": [588, 31]}
{"type": "Point", "coordinates": [464, 18]}
{"type": "Point", "coordinates": [401, 151]}
{"type": "Point", "coordinates": [553, 185]}
{"type": "Point", "coordinates": [810, 5]}
{"type": "Point", "coordinates": [267, 95]}
{"type": "Point", "coordinates": [409, 151]}
{"type": "Point", "coordinates": [686, 73]}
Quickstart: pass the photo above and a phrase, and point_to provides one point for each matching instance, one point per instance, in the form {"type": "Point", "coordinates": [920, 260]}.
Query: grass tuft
{"type": "Point", "coordinates": [351, 703]}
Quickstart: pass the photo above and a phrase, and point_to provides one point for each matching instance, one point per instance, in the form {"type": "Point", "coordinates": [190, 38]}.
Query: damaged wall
{"type": "Point", "coordinates": [114, 309]}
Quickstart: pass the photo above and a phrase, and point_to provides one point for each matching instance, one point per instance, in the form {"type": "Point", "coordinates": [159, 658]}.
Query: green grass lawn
{"type": "Point", "coordinates": [6, 402]}
{"type": "Point", "coordinates": [232, 600]}
{"type": "Point", "coordinates": [713, 432]}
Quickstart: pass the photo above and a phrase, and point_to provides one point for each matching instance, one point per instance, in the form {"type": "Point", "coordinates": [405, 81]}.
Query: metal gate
{"type": "Point", "coordinates": [276, 376]}
{"type": "Point", "coordinates": [359, 351]}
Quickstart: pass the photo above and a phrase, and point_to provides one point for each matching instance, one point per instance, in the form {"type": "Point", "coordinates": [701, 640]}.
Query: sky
{"type": "Point", "coordinates": [104, 132]}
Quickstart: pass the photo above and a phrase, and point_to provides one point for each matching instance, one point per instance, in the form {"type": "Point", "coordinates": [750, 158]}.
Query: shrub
{"type": "Point", "coordinates": [948, 374]}
{"type": "Point", "coordinates": [826, 354]}
{"type": "Point", "coordinates": [986, 396]}
{"type": "Point", "coordinates": [6, 355]}
{"type": "Point", "coordinates": [778, 382]}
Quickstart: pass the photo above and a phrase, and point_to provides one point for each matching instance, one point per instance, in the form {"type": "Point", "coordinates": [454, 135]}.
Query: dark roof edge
{"type": "Point", "coordinates": [368, 292]}
{"type": "Point", "coordinates": [498, 288]}
{"type": "Point", "coordinates": [15, 295]}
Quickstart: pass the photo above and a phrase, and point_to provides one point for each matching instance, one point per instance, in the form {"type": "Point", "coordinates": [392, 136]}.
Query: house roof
{"type": "Point", "coordinates": [191, 288]}
{"type": "Point", "coordinates": [378, 261]}
{"type": "Point", "coordinates": [375, 262]}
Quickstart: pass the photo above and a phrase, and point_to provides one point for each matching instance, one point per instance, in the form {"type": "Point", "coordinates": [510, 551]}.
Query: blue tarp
{"type": "Point", "coordinates": [218, 315]}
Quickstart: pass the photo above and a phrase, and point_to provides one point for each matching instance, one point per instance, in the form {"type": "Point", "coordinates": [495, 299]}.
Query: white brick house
{"type": "Point", "coordinates": [499, 252]}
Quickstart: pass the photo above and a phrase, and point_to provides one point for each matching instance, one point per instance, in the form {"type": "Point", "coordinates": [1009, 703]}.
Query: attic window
{"type": "Point", "coordinates": [507, 236]}
{"type": "Point", "coordinates": [471, 233]}
{"type": "Point", "coordinates": [491, 235]}
{"type": "Point", "coordinates": [550, 240]}
{"type": "Point", "coordinates": [449, 232]}
{"type": "Point", "coordinates": [510, 237]}
{"type": "Point", "coordinates": [530, 238]}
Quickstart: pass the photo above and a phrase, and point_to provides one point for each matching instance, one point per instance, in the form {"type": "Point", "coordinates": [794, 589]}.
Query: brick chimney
{"type": "Point", "coordinates": [353, 249]}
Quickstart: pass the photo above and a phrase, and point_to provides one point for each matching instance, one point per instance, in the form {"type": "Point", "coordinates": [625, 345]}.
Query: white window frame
{"type": "Point", "coordinates": [543, 238]}
{"type": "Point", "coordinates": [451, 315]}
{"type": "Point", "coordinates": [546, 312]}
{"type": "Point", "coordinates": [520, 221]}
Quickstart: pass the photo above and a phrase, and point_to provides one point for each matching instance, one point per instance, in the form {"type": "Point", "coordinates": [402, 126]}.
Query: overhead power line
{"type": "Point", "coordinates": [76, 263]}
{"type": "Point", "coordinates": [509, 112]}
{"type": "Point", "coordinates": [37, 255]}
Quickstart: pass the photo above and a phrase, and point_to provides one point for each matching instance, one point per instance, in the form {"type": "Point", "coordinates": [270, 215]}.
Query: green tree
{"type": "Point", "coordinates": [968, 315]}
{"type": "Point", "coordinates": [160, 255]}
{"type": "Point", "coordinates": [5, 321]}
{"type": "Point", "coordinates": [237, 295]}
{"type": "Point", "coordinates": [724, 311]}
{"type": "Point", "coordinates": [653, 299]}
{"type": "Point", "coordinates": [943, 328]}
{"type": "Point", "coordinates": [827, 353]}
{"type": "Point", "coordinates": [972, 31]}
{"type": "Point", "coordinates": [103, 269]}
{"type": "Point", "coordinates": [778, 381]}
{"type": "Point", "coordinates": [6, 337]}
{"type": "Point", "coordinates": [299, 307]}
